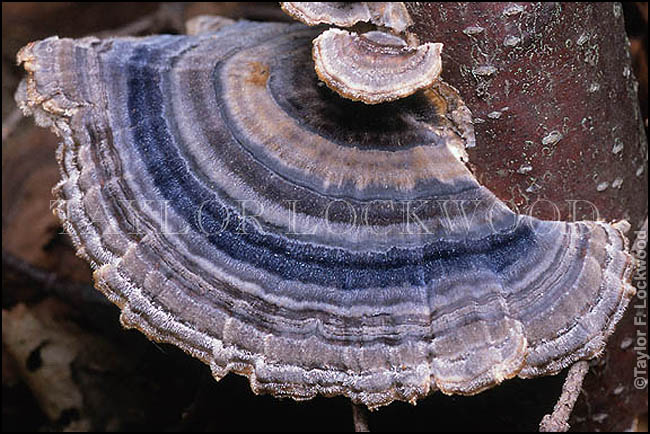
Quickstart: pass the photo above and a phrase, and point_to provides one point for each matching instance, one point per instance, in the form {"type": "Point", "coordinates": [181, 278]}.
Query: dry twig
{"type": "Point", "coordinates": [558, 420]}
{"type": "Point", "coordinates": [360, 418]}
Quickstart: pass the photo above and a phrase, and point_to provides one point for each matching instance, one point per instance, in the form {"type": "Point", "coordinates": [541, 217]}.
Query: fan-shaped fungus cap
{"type": "Point", "coordinates": [346, 14]}
{"type": "Point", "coordinates": [235, 208]}
{"type": "Point", "coordinates": [374, 67]}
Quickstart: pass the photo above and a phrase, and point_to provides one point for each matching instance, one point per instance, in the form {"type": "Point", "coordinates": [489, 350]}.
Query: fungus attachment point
{"type": "Point", "coordinates": [232, 206]}
{"type": "Point", "coordinates": [374, 67]}
{"type": "Point", "coordinates": [346, 14]}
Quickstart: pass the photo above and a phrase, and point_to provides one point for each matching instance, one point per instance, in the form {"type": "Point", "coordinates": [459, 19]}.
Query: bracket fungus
{"type": "Point", "coordinates": [392, 15]}
{"type": "Point", "coordinates": [233, 206]}
{"type": "Point", "coordinates": [374, 67]}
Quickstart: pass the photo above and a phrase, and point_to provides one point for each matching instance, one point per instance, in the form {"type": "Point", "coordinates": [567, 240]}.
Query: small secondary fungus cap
{"type": "Point", "coordinates": [346, 14]}
{"type": "Point", "coordinates": [233, 206]}
{"type": "Point", "coordinates": [374, 67]}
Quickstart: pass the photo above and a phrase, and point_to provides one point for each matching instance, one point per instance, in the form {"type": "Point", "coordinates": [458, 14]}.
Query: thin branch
{"type": "Point", "coordinates": [558, 420]}
{"type": "Point", "coordinates": [360, 418]}
{"type": "Point", "coordinates": [49, 282]}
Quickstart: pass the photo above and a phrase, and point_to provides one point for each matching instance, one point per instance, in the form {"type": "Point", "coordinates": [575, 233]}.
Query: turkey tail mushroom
{"type": "Point", "coordinates": [392, 15]}
{"type": "Point", "coordinates": [374, 67]}
{"type": "Point", "coordinates": [233, 206]}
